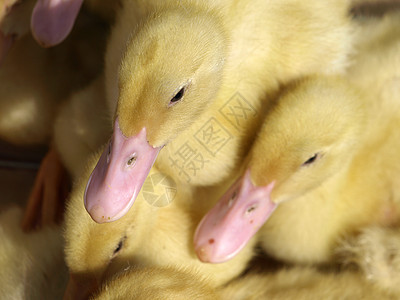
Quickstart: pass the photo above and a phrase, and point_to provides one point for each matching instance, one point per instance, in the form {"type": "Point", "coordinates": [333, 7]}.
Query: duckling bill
{"type": "Point", "coordinates": [284, 169]}
{"type": "Point", "coordinates": [227, 228]}
{"type": "Point", "coordinates": [119, 175]}
{"type": "Point", "coordinates": [52, 20]}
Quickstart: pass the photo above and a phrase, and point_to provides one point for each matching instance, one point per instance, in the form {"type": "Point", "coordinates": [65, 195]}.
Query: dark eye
{"type": "Point", "coordinates": [177, 97]}
{"type": "Point", "coordinates": [311, 160]}
{"type": "Point", "coordinates": [119, 247]}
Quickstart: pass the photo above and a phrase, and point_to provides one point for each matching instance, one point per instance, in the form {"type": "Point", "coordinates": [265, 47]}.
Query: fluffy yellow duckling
{"type": "Point", "coordinates": [303, 283]}
{"type": "Point", "coordinates": [157, 283]}
{"type": "Point", "coordinates": [308, 146]}
{"type": "Point", "coordinates": [329, 174]}
{"type": "Point", "coordinates": [375, 248]}
{"type": "Point", "coordinates": [32, 86]}
{"type": "Point", "coordinates": [32, 265]}
{"type": "Point", "coordinates": [327, 155]}
{"type": "Point", "coordinates": [286, 283]}
{"type": "Point", "coordinates": [192, 77]}
{"type": "Point", "coordinates": [76, 136]}
{"type": "Point", "coordinates": [51, 21]}
{"type": "Point", "coordinates": [146, 236]}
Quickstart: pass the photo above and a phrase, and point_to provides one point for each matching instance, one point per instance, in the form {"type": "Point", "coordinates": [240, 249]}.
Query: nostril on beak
{"type": "Point", "coordinates": [251, 209]}
{"type": "Point", "coordinates": [131, 161]}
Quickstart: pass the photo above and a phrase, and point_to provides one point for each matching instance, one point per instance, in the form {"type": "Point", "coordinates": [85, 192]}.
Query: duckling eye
{"type": "Point", "coordinates": [178, 97]}
{"type": "Point", "coordinates": [119, 247]}
{"type": "Point", "coordinates": [311, 160]}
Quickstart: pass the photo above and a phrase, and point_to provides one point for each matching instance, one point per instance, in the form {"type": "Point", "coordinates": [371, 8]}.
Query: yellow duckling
{"type": "Point", "coordinates": [303, 283]}
{"type": "Point", "coordinates": [32, 86]}
{"type": "Point", "coordinates": [147, 235]}
{"type": "Point", "coordinates": [327, 155]}
{"type": "Point", "coordinates": [375, 248]}
{"type": "Point", "coordinates": [178, 72]}
{"type": "Point", "coordinates": [157, 283]}
{"type": "Point", "coordinates": [286, 283]}
{"type": "Point", "coordinates": [306, 149]}
{"type": "Point", "coordinates": [32, 265]}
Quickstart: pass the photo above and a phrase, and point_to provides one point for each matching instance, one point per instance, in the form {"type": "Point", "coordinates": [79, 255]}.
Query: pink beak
{"type": "Point", "coordinates": [119, 175]}
{"type": "Point", "coordinates": [52, 20]}
{"type": "Point", "coordinates": [227, 228]}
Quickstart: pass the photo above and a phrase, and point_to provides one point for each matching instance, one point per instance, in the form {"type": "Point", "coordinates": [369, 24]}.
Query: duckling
{"type": "Point", "coordinates": [30, 96]}
{"type": "Point", "coordinates": [180, 72]}
{"type": "Point", "coordinates": [375, 248]}
{"type": "Point", "coordinates": [286, 283]}
{"type": "Point", "coordinates": [310, 158]}
{"type": "Point", "coordinates": [148, 235]}
{"type": "Point", "coordinates": [51, 21]}
{"type": "Point", "coordinates": [157, 283]}
{"type": "Point", "coordinates": [325, 167]}
{"type": "Point", "coordinates": [303, 283]}
{"type": "Point", "coordinates": [32, 265]}
{"type": "Point", "coordinates": [76, 136]}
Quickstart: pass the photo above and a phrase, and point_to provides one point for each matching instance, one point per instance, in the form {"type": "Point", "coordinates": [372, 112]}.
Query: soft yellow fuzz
{"type": "Point", "coordinates": [352, 124]}
{"type": "Point", "coordinates": [158, 284]}
{"type": "Point", "coordinates": [35, 81]}
{"type": "Point", "coordinates": [149, 236]}
{"type": "Point", "coordinates": [32, 265]}
{"type": "Point", "coordinates": [303, 283]}
{"type": "Point", "coordinates": [226, 54]}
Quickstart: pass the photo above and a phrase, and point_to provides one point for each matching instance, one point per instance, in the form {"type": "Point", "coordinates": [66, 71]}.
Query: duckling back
{"type": "Point", "coordinates": [32, 264]}
{"type": "Point", "coordinates": [157, 283]}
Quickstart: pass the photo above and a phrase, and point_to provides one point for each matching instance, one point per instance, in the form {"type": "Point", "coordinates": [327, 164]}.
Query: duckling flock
{"type": "Point", "coordinates": [216, 149]}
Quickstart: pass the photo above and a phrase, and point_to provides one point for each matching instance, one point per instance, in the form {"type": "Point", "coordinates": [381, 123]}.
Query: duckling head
{"type": "Point", "coordinates": [309, 136]}
{"type": "Point", "coordinates": [312, 134]}
{"type": "Point", "coordinates": [170, 73]}
{"type": "Point", "coordinates": [93, 251]}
